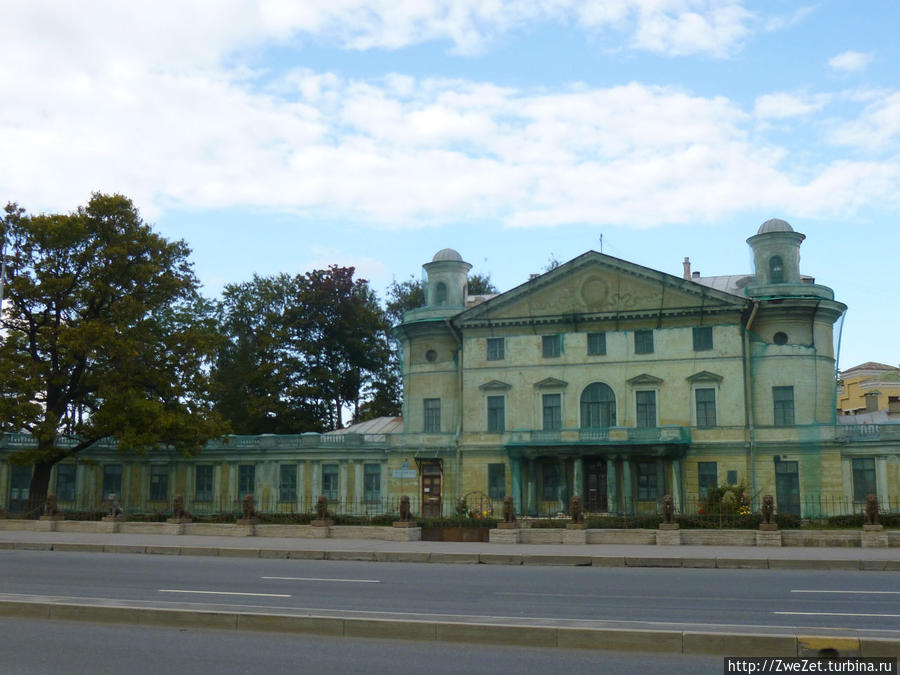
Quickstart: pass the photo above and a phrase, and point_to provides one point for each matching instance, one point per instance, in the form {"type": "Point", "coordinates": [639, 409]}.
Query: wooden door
{"type": "Point", "coordinates": [595, 486]}
{"type": "Point", "coordinates": [431, 489]}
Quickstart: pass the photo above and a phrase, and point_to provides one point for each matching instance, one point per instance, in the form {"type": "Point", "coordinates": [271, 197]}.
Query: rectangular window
{"type": "Point", "coordinates": [495, 349]}
{"type": "Point", "coordinates": [159, 483]}
{"type": "Point", "coordinates": [871, 402]}
{"type": "Point", "coordinates": [552, 411]}
{"type": "Point", "coordinates": [732, 477]}
{"type": "Point", "coordinates": [65, 482]}
{"type": "Point", "coordinates": [783, 398]}
{"type": "Point", "coordinates": [647, 481]}
{"type": "Point", "coordinates": [330, 481]}
{"type": "Point", "coordinates": [246, 480]}
{"type": "Point", "coordinates": [496, 414]}
{"type": "Point", "coordinates": [287, 483]}
{"type": "Point", "coordinates": [432, 415]}
{"type": "Point", "coordinates": [496, 481]}
{"type": "Point", "coordinates": [112, 480]}
{"type": "Point", "coordinates": [707, 478]}
{"type": "Point", "coordinates": [646, 409]}
{"type": "Point", "coordinates": [372, 482]}
{"type": "Point", "coordinates": [203, 483]}
{"type": "Point", "coordinates": [706, 407]}
{"type": "Point", "coordinates": [863, 479]}
{"type": "Point", "coordinates": [596, 344]}
{"type": "Point", "coordinates": [550, 478]}
{"type": "Point", "coordinates": [703, 339]}
{"type": "Point", "coordinates": [19, 483]}
{"type": "Point", "coordinates": [551, 346]}
{"type": "Point", "coordinates": [643, 341]}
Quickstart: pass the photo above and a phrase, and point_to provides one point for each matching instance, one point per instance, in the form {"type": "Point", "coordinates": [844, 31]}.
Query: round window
{"type": "Point", "coordinates": [431, 355]}
{"type": "Point", "coordinates": [780, 338]}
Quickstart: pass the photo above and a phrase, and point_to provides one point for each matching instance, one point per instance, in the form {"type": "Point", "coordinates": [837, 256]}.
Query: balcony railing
{"type": "Point", "coordinates": [868, 432]}
{"type": "Point", "coordinates": [604, 436]}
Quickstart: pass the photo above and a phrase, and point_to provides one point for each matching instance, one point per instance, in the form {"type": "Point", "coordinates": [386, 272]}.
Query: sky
{"type": "Point", "coordinates": [289, 135]}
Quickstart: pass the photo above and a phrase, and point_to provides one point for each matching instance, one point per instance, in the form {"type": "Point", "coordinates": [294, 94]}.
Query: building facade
{"type": "Point", "coordinates": [600, 378]}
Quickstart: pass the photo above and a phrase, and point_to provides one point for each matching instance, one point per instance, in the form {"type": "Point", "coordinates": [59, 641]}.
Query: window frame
{"type": "Point", "coordinates": [867, 485]}
{"type": "Point", "coordinates": [704, 485]}
{"type": "Point", "coordinates": [496, 480]}
{"type": "Point", "coordinates": [596, 343]}
{"type": "Point", "coordinates": [431, 415]}
{"type": "Point", "coordinates": [555, 421]}
{"type": "Point", "coordinates": [703, 338]}
{"type": "Point", "coordinates": [203, 493]}
{"type": "Point", "coordinates": [333, 473]}
{"type": "Point", "coordinates": [246, 477]}
{"type": "Point", "coordinates": [66, 488]}
{"type": "Point", "coordinates": [702, 421]}
{"type": "Point", "coordinates": [551, 346]}
{"type": "Point", "coordinates": [640, 409]}
{"type": "Point", "coordinates": [650, 489]}
{"type": "Point", "coordinates": [159, 483]}
{"type": "Point", "coordinates": [287, 483]}
{"type": "Point", "coordinates": [783, 413]}
{"type": "Point", "coordinates": [112, 473]}
{"type": "Point", "coordinates": [643, 341]}
{"type": "Point", "coordinates": [495, 349]}
{"type": "Point", "coordinates": [372, 483]}
{"type": "Point", "coordinates": [496, 421]}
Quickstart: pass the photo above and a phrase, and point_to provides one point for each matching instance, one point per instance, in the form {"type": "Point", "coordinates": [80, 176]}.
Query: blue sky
{"type": "Point", "coordinates": [282, 136]}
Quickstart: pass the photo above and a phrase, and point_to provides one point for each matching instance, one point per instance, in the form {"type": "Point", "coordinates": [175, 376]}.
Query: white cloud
{"type": "Point", "coordinates": [782, 104]}
{"type": "Point", "coordinates": [168, 122]}
{"type": "Point", "coordinates": [849, 62]}
{"type": "Point", "coordinates": [877, 129]}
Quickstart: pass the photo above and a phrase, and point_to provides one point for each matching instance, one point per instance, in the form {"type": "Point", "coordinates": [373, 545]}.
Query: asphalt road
{"type": "Point", "coordinates": [40, 647]}
{"type": "Point", "coordinates": [662, 598]}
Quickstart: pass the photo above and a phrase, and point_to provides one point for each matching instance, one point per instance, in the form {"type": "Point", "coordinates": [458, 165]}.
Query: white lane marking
{"type": "Point", "coordinates": [261, 595]}
{"type": "Point", "coordinates": [893, 616]}
{"type": "Point", "coordinates": [346, 581]}
{"type": "Point", "coordinates": [861, 592]}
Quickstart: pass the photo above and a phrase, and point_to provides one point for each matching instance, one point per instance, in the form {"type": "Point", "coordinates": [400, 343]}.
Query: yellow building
{"type": "Point", "coordinates": [618, 383]}
{"type": "Point", "coordinates": [869, 388]}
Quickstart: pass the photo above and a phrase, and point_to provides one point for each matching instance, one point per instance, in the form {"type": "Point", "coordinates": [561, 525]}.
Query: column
{"type": "Point", "coordinates": [676, 484]}
{"type": "Point", "coordinates": [612, 498]}
{"type": "Point", "coordinates": [316, 483]}
{"type": "Point", "coordinates": [301, 485]}
{"type": "Point", "coordinates": [531, 505]}
{"type": "Point", "coordinates": [358, 492]}
{"type": "Point", "coordinates": [515, 478]}
{"type": "Point", "coordinates": [881, 481]}
{"type": "Point", "coordinates": [561, 487]}
{"type": "Point", "coordinates": [342, 484]}
{"type": "Point", "coordinates": [627, 495]}
{"type": "Point", "coordinates": [578, 477]}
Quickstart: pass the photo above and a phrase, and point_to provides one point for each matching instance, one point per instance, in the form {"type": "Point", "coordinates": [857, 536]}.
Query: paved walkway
{"type": "Point", "coordinates": [810, 557]}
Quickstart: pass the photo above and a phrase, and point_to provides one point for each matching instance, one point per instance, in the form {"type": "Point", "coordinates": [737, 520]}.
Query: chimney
{"type": "Point", "coordinates": [687, 268]}
{"type": "Point", "coordinates": [695, 275]}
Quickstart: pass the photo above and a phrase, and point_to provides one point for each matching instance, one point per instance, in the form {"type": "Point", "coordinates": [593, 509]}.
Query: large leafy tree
{"type": "Point", "coordinates": [299, 351]}
{"type": "Point", "coordinates": [104, 335]}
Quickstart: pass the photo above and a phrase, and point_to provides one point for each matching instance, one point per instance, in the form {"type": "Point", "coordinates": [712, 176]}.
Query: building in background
{"type": "Point", "coordinates": [599, 378]}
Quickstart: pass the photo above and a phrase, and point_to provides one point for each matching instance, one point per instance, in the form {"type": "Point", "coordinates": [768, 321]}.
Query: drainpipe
{"type": "Point", "coordinates": [748, 396]}
{"type": "Point", "coordinates": [459, 409]}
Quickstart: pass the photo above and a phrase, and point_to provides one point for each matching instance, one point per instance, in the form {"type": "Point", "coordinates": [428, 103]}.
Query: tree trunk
{"type": "Point", "coordinates": [37, 491]}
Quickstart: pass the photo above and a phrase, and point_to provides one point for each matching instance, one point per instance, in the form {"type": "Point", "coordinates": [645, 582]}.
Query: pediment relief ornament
{"type": "Point", "coordinates": [550, 383]}
{"type": "Point", "coordinates": [495, 385]}
{"type": "Point", "coordinates": [644, 379]}
{"type": "Point", "coordinates": [704, 376]}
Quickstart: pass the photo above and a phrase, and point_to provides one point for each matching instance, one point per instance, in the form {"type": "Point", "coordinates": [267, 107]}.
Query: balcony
{"type": "Point", "coordinates": [868, 432]}
{"type": "Point", "coordinates": [602, 436]}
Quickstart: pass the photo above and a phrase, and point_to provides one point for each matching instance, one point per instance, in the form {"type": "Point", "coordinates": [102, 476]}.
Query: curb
{"type": "Point", "coordinates": [659, 641]}
{"type": "Point", "coordinates": [465, 558]}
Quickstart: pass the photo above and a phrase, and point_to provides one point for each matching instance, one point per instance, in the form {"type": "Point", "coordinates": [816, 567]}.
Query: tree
{"type": "Point", "coordinates": [298, 351]}
{"type": "Point", "coordinates": [105, 336]}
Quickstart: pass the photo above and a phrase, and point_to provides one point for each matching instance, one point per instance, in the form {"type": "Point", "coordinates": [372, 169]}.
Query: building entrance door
{"type": "Point", "coordinates": [787, 487]}
{"type": "Point", "coordinates": [595, 485]}
{"type": "Point", "coordinates": [431, 489]}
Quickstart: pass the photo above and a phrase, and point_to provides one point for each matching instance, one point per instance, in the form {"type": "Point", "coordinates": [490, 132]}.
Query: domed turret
{"type": "Point", "coordinates": [446, 254]}
{"type": "Point", "coordinates": [776, 253]}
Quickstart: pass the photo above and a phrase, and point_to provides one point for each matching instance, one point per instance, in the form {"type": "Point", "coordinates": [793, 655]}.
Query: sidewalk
{"type": "Point", "coordinates": [616, 555]}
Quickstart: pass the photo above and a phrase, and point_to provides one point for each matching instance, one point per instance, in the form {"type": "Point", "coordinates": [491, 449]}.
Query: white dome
{"type": "Point", "coordinates": [446, 254]}
{"type": "Point", "coordinates": [775, 225]}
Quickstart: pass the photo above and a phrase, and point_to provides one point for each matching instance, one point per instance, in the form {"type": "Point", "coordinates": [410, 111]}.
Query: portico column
{"type": "Point", "coordinates": [676, 484]}
{"type": "Point", "coordinates": [612, 499]}
{"type": "Point", "coordinates": [561, 486]}
{"type": "Point", "coordinates": [628, 506]}
{"type": "Point", "coordinates": [342, 477]}
{"type": "Point", "coordinates": [515, 480]}
{"type": "Point", "coordinates": [358, 495]}
{"type": "Point", "coordinates": [301, 485]}
{"type": "Point", "coordinates": [532, 488]}
{"type": "Point", "coordinates": [316, 482]}
{"type": "Point", "coordinates": [578, 477]}
{"type": "Point", "coordinates": [881, 480]}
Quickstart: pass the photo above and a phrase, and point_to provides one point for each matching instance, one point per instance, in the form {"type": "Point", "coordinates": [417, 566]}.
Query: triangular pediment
{"type": "Point", "coordinates": [550, 383]}
{"type": "Point", "coordinates": [597, 285]}
{"type": "Point", "coordinates": [704, 376]}
{"type": "Point", "coordinates": [495, 385]}
{"type": "Point", "coordinates": [644, 379]}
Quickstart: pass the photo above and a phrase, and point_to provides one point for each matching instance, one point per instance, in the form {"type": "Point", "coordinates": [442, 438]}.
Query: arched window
{"type": "Point", "coordinates": [776, 270]}
{"type": "Point", "coordinates": [598, 407]}
{"type": "Point", "coordinates": [440, 293]}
